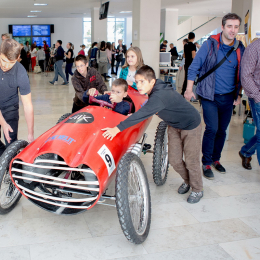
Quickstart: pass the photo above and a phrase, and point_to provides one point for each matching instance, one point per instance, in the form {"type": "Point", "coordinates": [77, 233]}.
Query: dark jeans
{"type": "Point", "coordinates": [68, 70]}
{"type": "Point", "coordinates": [118, 63]}
{"type": "Point", "coordinates": [112, 63]}
{"type": "Point", "coordinates": [184, 86]}
{"type": "Point", "coordinates": [75, 108]}
{"type": "Point", "coordinates": [58, 71]}
{"type": "Point", "coordinates": [254, 143]}
{"type": "Point", "coordinates": [11, 116]}
{"type": "Point", "coordinates": [217, 115]}
{"type": "Point", "coordinates": [41, 64]}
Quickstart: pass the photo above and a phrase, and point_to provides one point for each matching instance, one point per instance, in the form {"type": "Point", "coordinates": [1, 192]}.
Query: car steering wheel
{"type": "Point", "coordinates": [102, 103]}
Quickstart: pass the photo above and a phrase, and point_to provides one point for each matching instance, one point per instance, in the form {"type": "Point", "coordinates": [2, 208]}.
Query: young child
{"type": "Point", "coordinates": [184, 128]}
{"type": "Point", "coordinates": [118, 92]}
{"type": "Point", "coordinates": [134, 61]}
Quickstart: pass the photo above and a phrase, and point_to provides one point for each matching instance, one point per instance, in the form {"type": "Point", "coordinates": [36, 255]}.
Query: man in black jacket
{"type": "Point", "coordinates": [184, 128]}
{"type": "Point", "coordinates": [59, 56]}
{"type": "Point", "coordinates": [120, 57]}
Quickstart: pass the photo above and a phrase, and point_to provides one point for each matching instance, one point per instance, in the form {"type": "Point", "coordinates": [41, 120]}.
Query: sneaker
{"type": "Point", "coordinates": [51, 82]}
{"type": "Point", "coordinates": [218, 167]}
{"type": "Point", "coordinates": [65, 83]}
{"type": "Point", "coordinates": [207, 172]}
{"type": "Point", "coordinates": [184, 188]}
{"type": "Point", "coordinates": [195, 197]}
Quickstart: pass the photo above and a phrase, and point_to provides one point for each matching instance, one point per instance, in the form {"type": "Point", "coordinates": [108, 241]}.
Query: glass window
{"type": "Point", "coordinates": [115, 29]}
{"type": "Point", "coordinates": [87, 32]}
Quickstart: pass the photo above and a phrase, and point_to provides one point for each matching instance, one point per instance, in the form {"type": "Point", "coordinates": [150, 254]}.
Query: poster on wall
{"type": "Point", "coordinates": [247, 29]}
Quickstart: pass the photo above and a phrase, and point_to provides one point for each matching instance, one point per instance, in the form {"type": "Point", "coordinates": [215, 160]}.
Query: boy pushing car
{"type": "Point", "coordinates": [184, 128]}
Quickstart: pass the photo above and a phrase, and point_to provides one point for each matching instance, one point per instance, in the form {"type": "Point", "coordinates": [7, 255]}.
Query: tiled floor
{"type": "Point", "coordinates": [225, 224]}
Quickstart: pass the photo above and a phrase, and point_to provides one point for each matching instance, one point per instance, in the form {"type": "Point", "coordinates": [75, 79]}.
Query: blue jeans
{"type": "Point", "coordinates": [254, 143]}
{"type": "Point", "coordinates": [118, 63]}
{"type": "Point", "coordinates": [217, 115]}
{"type": "Point", "coordinates": [58, 71]}
{"type": "Point", "coordinates": [68, 70]}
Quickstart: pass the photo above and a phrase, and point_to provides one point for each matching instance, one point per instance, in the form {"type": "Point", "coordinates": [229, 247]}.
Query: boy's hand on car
{"type": "Point", "coordinates": [114, 98]}
{"type": "Point", "coordinates": [110, 133]}
{"type": "Point", "coordinates": [189, 94]}
{"type": "Point", "coordinates": [91, 92]}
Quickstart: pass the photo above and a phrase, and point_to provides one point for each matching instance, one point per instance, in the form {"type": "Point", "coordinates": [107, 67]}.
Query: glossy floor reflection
{"type": "Point", "coordinates": [225, 224]}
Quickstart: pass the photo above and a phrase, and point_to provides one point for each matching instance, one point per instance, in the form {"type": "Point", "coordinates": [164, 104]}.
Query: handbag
{"type": "Point", "coordinates": [119, 57]}
{"type": "Point", "coordinates": [37, 69]}
{"type": "Point", "coordinates": [197, 80]}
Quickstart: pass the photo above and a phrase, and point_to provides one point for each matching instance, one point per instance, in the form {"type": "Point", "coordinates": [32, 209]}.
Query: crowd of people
{"type": "Point", "coordinates": [222, 66]}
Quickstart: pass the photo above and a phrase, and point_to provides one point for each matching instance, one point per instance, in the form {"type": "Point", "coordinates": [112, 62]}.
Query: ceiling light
{"type": "Point", "coordinates": [30, 16]}
{"type": "Point", "coordinates": [35, 11]}
{"type": "Point", "coordinates": [125, 12]}
{"type": "Point", "coordinates": [40, 4]}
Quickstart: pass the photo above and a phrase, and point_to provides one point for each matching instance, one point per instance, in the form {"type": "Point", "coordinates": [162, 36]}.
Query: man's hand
{"type": "Point", "coordinates": [6, 129]}
{"type": "Point", "coordinates": [30, 138]}
{"type": "Point", "coordinates": [238, 101]}
{"type": "Point", "coordinates": [180, 68]}
{"type": "Point", "coordinates": [110, 133]}
{"type": "Point", "coordinates": [189, 94]}
{"type": "Point", "coordinates": [91, 92]}
{"type": "Point", "coordinates": [114, 98]}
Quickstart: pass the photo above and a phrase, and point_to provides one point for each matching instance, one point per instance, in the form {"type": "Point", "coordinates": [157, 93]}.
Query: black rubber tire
{"type": "Point", "coordinates": [10, 152]}
{"type": "Point", "coordinates": [122, 199]}
{"type": "Point", "coordinates": [157, 155]}
{"type": "Point", "coordinates": [63, 117]}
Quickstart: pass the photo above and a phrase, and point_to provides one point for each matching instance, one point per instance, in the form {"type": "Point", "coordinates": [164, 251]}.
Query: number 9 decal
{"type": "Point", "coordinates": [108, 158]}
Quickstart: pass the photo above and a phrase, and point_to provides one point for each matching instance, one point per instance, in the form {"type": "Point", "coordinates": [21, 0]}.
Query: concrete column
{"type": "Point", "coordinates": [98, 27]}
{"type": "Point", "coordinates": [169, 25]}
{"type": "Point", "coordinates": [146, 30]}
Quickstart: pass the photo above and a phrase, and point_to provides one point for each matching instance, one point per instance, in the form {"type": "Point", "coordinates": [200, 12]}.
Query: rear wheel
{"type": "Point", "coordinates": [133, 199]}
{"type": "Point", "coordinates": [9, 195]}
{"type": "Point", "coordinates": [63, 117]}
{"type": "Point", "coordinates": [160, 155]}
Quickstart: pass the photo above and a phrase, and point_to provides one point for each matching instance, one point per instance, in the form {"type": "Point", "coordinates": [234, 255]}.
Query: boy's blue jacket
{"type": "Point", "coordinates": [207, 58]}
{"type": "Point", "coordinates": [123, 75]}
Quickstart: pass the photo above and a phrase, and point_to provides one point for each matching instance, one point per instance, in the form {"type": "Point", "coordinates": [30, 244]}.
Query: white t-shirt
{"type": "Point", "coordinates": [131, 75]}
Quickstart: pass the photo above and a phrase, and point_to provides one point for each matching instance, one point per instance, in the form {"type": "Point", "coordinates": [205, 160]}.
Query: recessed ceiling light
{"type": "Point", "coordinates": [40, 4]}
{"type": "Point", "coordinates": [125, 12]}
{"type": "Point", "coordinates": [30, 16]}
{"type": "Point", "coordinates": [35, 11]}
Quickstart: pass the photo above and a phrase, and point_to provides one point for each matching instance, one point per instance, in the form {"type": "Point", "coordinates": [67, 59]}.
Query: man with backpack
{"type": "Point", "coordinates": [59, 56]}
{"type": "Point", "coordinates": [217, 65]}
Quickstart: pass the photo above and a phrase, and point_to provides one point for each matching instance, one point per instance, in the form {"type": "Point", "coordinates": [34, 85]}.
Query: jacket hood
{"type": "Point", "coordinates": [159, 85]}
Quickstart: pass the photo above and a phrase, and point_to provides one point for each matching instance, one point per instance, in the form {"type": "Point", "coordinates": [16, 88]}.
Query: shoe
{"type": "Point", "coordinates": [113, 72]}
{"type": "Point", "coordinates": [234, 112]}
{"type": "Point", "coordinates": [51, 82]}
{"type": "Point", "coordinates": [65, 83]}
{"type": "Point", "coordinates": [184, 188]}
{"type": "Point", "coordinates": [246, 161]}
{"type": "Point", "coordinates": [108, 77]}
{"type": "Point", "coordinates": [195, 197]}
{"type": "Point", "coordinates": [207, 172]}
{"type": "Point", "coordinates": [218, 167]}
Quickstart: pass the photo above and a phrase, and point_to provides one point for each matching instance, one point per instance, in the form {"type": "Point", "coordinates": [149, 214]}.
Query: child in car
{"type": "Point", "coordinates": [184, 128]}
{"type": "Point", "coordinates": [118, 92]}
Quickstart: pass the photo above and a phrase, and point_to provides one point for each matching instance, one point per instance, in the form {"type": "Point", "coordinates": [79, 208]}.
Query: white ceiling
{"type": "Point", "coordinates": [82, 8]}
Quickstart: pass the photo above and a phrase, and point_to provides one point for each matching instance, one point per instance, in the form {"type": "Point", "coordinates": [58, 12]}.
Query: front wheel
{"type": "Point", "coordinates": [9, 194]}
{"type": "Point", "coordinates": [133, 201]}
{"type": "Point", "coordinates": [160, 155]}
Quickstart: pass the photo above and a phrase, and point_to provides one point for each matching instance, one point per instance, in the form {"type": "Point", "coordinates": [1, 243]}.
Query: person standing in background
{"type": "Point", "coordinates": [41, 57]}
{"type": "Point", "coordinates": [46, 49]}
{"type": "Point", "coordinates": [102, 60]}
{"type": "Point", "coordinates": [23, 58]}
{"type": "Point", "coordinates": [82, 51]}
{"type": "Point", "coordinates": [27, 46]}
{"type": "Point", "coordinates": [5, 36]}
{"type": "Point", "coordinates": [189, 54]}
{"type": "Point", "coordinates": [59, 56]}
{"type": "Point", "coordinates": [163, 46]}
{"type": "Point", "coordinates": [69, 60]}
{"type": "Point", "coordinates": [120, 57]}
{"type": "Point", "coordinates": [113, 50]}
{"type": "Point", "coordinates": [174, 53]}
{"type": "Point", "coordinates": [33, 53]}
{"type": "Point", "coordinates": [109, 56]}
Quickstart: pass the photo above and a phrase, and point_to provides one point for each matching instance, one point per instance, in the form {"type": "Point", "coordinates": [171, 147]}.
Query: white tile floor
{"type": "Point", "coordinates": [225, 224]}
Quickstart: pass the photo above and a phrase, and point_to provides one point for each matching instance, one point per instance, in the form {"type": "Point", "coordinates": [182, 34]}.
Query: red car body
{"type": "Point", "coordinates": [78, 140]}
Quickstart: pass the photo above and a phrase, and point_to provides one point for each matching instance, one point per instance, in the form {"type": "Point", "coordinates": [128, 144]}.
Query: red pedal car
{"type": "Point", "coordinates": [68, 168]}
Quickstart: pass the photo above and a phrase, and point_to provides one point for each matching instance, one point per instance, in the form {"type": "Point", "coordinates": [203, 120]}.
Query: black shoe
{"type": "Point", "coordinates": [65, 83]}
{"type": "Point", "coordinates": [218, 167]}
{"type": "Point", "coordinates": [207, 172]}
{"type": "Point", "coordinates": [184, 188]}
{"type": "Point", "coordinates": [195, 197]}
{"type": "Point", "coordinates": [108, 76]}
{"type": "Point", "coordinates": [51, 82]}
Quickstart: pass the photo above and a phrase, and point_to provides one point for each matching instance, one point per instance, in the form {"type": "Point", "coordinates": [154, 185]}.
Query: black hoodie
{"type": "Point", "coordinates": [169, 105]}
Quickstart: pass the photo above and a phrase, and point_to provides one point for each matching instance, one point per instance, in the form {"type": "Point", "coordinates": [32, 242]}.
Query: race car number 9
{"type": "Point", "coordinates": [108, 158]}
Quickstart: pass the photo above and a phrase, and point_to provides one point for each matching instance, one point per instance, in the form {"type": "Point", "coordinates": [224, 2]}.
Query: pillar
{"type": "Point", "coordinates": [98, 27]}
{"type": "Point", "coordinates": [146, 30]}
{"type": "Point", "coordinates": [169, 25]}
